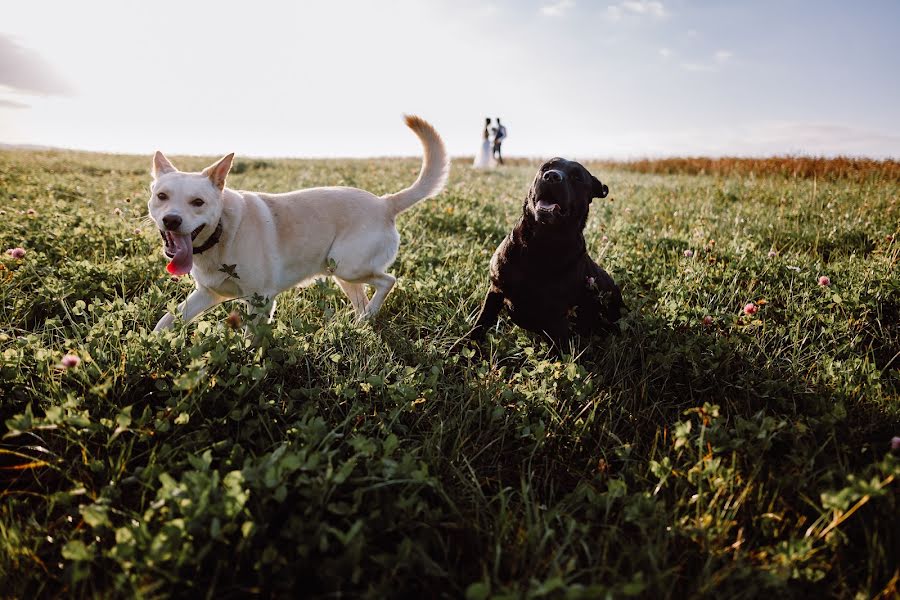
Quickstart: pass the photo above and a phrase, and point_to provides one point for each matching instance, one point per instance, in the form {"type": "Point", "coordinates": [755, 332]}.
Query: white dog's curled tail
{"type": "Point", "coordinates": [435, 168]}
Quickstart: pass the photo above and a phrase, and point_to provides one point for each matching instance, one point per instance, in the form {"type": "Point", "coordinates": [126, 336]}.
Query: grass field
{"type": "Point", "coordinates": [742, 456]}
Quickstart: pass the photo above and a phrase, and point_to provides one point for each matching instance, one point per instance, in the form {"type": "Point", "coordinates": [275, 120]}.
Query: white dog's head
{"type": "Point", "coordinates": [185, 207]}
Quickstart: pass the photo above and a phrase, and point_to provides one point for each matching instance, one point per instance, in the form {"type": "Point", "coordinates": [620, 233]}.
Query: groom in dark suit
{"type": "Point", "coordinates": [499, 136]}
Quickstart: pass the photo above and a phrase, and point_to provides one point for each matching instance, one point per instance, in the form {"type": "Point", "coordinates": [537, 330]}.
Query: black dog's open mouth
{"type": "Point", "coordinates": [547, 210]}
{"type": "Point", "coordinates": [170, 242]}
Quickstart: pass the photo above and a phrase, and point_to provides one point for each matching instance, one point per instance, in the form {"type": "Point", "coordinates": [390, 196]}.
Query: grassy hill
{"type": "Point", "coordinates": [733, 456]}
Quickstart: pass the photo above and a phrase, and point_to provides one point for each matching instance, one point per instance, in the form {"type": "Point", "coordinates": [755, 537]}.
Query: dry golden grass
{"type": "Point", "coordinates": [800, 167]}
{"type": "Point", "coordinates": [854, 169]}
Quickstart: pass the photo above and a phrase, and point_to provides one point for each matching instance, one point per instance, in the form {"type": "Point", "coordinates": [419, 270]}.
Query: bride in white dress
{"type": "Point", "coordinates": [484, 160]}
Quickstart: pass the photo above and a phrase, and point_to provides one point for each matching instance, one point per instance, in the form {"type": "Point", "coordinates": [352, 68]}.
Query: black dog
{"type": "Point", "coordinates": [541, 272]}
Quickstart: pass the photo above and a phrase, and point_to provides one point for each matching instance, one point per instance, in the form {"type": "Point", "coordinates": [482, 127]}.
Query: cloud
{"type": "Point", "coordinates": [697, 67]}
{"type": "Point", "coordinates": [24, 70]}
{"type": "Point", "coordinates": [665, 53]}
{"type": "Point", "coordinates": [821, 138]}
{"type": "Point", "coordinates": [719, 58]}
{"type": "Point", "coordinates": [760, 138]}
{"type": "Point", "coordinates": [488, 10]}
{"type": "Point", "coordinates": [651, 8]}
{"type": "Point", "coordinates": [12, 104]}
{"type": "Point", "coordinates": [557, 9]}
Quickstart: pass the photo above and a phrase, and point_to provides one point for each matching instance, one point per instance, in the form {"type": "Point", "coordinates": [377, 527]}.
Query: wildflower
{"type": "Point", "coordinates": [895, 443]}
{"type": "Point", "coordinates": [604, 239]}
{"type": "Point", "coordinates": [688, 253]}
{"type": "Point", "coordinates": [70, 361]}
{"type": "Point", "coordinates": [233, 320]}
{"type": "Point", "coordinates": [31, 212]}
{"type": "Point", "coordinates": [772, 254]}
{"type": "Point", "coordinates": [711, 243]}
{"type": "Point", "coordinates": [137, 231]}
{"type": "Point", "coordinates": [824, 281]}
{"type": "Point", "coordinates": [117, 211]}
{"type": "Point", "coordinates": [16, 252]}
{"type": "Point", "coordinates": [707, 321]}
{"type": "Point", "coordinates": [750, 309]}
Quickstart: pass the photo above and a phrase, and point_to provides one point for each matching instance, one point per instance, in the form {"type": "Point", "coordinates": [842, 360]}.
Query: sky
{"type": "Point", "coordinates": [614, 79]}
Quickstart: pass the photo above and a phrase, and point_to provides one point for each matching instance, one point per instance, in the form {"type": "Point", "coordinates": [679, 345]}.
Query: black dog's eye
{"type": "Point", "coordinates": [197, 202]}
{"type": "Point", "coordinates": [578, 177]}
{"type": "Point", "coordinates": [162, 196]}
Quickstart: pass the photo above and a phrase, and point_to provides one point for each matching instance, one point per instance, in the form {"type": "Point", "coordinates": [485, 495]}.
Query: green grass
{"type": "Point", "coordinates": [744, 458]}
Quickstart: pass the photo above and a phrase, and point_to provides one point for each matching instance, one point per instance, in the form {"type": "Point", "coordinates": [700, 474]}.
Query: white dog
{"type": "Point", "coordinates": [251, 246]}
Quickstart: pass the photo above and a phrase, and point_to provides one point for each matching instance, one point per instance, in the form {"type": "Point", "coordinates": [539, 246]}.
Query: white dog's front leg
{"type": "Point", "coordinates": [199, 300]}
{"type": "Point", "coordinates": [166, 322]}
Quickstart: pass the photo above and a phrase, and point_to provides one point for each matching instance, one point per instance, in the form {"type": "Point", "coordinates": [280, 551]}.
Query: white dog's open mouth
{"type": "Point", "coordinates": [180, 248]}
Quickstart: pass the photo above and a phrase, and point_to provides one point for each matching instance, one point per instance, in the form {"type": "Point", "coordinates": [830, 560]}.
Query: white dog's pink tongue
{"type": "Point", "coordinates": [184, 255]}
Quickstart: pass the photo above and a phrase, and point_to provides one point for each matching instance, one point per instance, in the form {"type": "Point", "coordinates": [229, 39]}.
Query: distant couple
{"type": "Point", "coordinates": [485, 157]}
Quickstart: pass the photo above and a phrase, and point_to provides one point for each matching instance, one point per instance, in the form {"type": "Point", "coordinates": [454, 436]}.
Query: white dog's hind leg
{"type": "Point", "coordinates": [199, 300]}
{"type": "Point", "coordinates": [382, 282]}
{"type": "Point", "coordinates": [357, 294]}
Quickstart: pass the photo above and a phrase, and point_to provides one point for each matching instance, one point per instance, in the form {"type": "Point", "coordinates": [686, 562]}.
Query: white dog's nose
{"type": "Point", "coordinates": [171, 222]}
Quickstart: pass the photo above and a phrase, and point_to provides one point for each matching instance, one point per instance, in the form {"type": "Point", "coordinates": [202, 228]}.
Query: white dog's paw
{"type": "Point", "coordinates": [165, 323]}
{"type": "Point", "coordinates": [366, 316]}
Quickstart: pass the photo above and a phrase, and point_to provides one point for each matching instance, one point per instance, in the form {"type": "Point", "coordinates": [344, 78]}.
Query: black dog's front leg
{"type": "Point", "coordinates": [490, 310]}
{"type": "Point", "coordinates": [557, 333]}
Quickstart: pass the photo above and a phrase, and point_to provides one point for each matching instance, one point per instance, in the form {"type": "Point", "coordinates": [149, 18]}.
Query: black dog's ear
{"type": "Point", "coordinates": [598, 190]}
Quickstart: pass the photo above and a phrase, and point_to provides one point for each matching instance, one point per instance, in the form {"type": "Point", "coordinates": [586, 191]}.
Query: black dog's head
{"type": "Point", "coordinates": [561, 194]}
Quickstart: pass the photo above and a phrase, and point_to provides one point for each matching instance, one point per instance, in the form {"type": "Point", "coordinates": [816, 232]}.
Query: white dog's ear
{"type": "Point", "coordinates": [161, 165]}
{"type": "Point", "coordinates": [219, 171]}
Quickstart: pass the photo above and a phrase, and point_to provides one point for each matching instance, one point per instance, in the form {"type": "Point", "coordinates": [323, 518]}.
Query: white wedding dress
{"type": "Point", "coordinates": [484, 158]}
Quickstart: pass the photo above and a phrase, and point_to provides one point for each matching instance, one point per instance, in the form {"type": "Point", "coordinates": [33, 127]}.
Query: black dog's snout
{"type": "Point", "coordinates": [553, 176]}
{"type": "Point", "coordinates": [171, 222]}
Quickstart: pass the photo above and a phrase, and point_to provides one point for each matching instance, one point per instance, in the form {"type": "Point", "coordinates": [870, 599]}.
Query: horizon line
{"type": "Point", "coordinates": [645, 157]}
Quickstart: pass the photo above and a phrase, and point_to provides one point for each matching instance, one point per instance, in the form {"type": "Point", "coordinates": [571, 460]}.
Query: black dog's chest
{"type": "Point", "coordinates": [535, 289]}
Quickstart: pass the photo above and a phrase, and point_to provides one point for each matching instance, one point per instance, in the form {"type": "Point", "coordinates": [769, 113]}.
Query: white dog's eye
{"type": "Point", "coordinates": [162, 196]}
{"type": "Point", "coordinates": [197, 202]}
